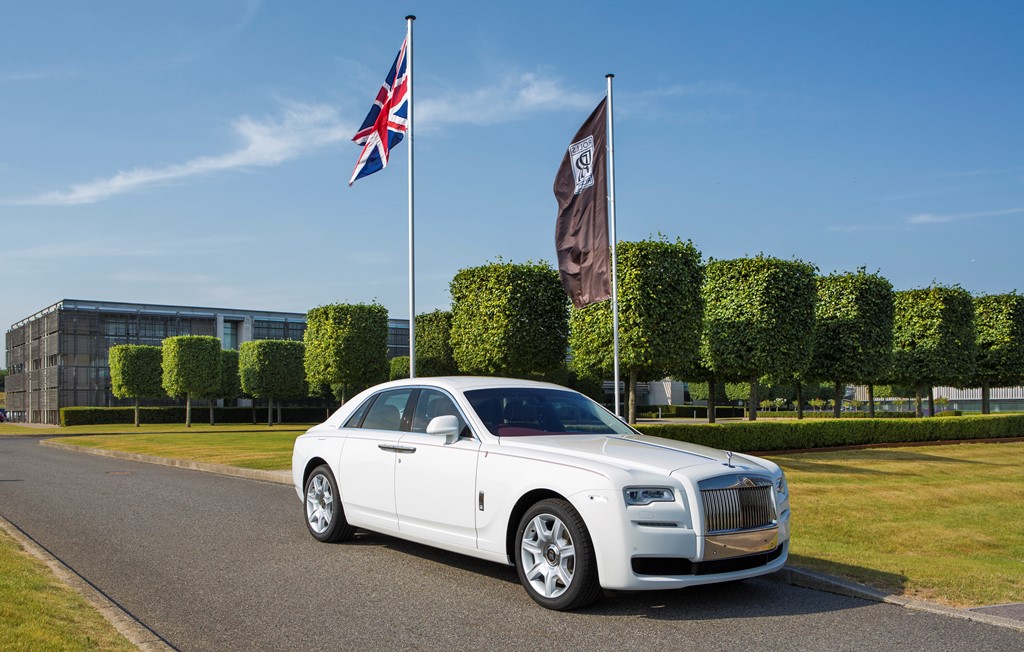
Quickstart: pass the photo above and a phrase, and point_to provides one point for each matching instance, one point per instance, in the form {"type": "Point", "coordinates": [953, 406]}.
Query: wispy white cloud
{"type": "Point", "coordinates": [265, 143]}
{"type": "Point", "coordinates": [303, 128]}
{"type": "Point", "coordinates": [931, 218]}
{"type": "Point", "coordinates": [518, 95]}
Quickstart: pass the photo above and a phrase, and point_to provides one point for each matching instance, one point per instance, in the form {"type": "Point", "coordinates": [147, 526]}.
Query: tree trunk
{"type": "Point", "coordinates": [213, 422]}
{"type": "Point", "coordinates": [752, 411]}
{"type": "Point", "coordinates": [918, 395]}
{"type": "Point", "coordinates": [253, 406]}
{"type": "Point", "coordinates": [270, 412]}
{"type": "Point", "coordinates": [986, 398]}
{"type": "Point", "coordinates": [188, 410]}
{"type": "Point", "coordinates": [631, 409]}
{"type": "Point", "coordinates": [799, 401]}
{"type": "Point", "coordinates": [279, 420]}
{"type": "Point", "coordinates": [871, 400]}
{"type": "Point", "coordinates": [837, 399]}
{"type": "Point", "coordinates": [931, 401]}
{"type": "Point", "coordinates": [712, 392]}
{"type": "Point", "coordinates": [136, 411]}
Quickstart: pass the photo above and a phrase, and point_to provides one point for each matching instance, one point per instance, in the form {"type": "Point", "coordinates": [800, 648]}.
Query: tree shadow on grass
{"type": "Point", "coordinates": [818, 463]}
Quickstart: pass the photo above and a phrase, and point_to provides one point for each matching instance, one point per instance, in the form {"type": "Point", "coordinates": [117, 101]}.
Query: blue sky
{"type": "Point", "coordinates": [198, 153]}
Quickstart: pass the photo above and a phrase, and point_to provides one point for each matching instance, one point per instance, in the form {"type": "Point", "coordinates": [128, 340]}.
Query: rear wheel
{"type": "Point", "coordinates": [555, 557]}
{"type": "Point", "coordinates": [325, 516]}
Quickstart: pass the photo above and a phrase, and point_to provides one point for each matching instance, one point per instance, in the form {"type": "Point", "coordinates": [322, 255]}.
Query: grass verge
{"type": "Point", "coordinates": [38, 612]}
{"type": "Point", "coordinates": [245, 446]}
{"type": "Point", "coordinates": [939, 523]}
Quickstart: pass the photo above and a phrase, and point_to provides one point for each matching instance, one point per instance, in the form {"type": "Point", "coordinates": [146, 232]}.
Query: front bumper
{"type": "Point", "coordinates": [658, 548]}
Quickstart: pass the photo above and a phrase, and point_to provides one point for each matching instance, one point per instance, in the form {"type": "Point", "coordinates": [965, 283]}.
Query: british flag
{"type": "Point", "coordinates": [386, 123]}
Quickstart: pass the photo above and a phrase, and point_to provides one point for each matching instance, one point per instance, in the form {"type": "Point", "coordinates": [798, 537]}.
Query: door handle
{"type": "Point", "coordinates": [395, 448]}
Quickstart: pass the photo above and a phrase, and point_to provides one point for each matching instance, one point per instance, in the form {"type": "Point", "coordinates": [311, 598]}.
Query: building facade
{"type": "Point", "coordinates": [58, 356]}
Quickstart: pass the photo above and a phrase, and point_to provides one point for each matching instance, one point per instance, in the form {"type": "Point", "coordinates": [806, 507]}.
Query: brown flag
{"type": "Point", "coordinates": [581, 232]}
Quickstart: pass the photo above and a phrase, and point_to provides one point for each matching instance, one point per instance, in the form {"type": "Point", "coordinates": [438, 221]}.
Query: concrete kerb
{"type": "Point", "coordinates": [137, 634]}
{"type": "Point", "coordinates": [789, 575]}
{"type": "Point", "coordinates": [821, 582]}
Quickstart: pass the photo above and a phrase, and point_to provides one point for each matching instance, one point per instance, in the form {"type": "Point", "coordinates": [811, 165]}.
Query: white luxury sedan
{"type": "Point", "coordinates": [543, 478]}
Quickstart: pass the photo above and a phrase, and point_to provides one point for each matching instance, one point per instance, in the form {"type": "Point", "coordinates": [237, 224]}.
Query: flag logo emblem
{"type": "Point", "coordinates": [581, 154]}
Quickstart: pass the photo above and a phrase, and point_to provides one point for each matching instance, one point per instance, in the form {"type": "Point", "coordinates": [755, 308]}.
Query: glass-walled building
{"type": "Point", "coordinates": [58, 356]}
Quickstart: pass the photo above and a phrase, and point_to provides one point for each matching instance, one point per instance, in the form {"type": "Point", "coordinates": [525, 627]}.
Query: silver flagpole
{"type": "Point", "coordinates": [412, 248]}
{"type": "Point", "coordinates": [611, 218]}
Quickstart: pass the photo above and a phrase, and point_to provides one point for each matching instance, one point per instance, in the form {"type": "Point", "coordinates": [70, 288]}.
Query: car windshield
{"type": "Point", "coordinates": [524, 411]}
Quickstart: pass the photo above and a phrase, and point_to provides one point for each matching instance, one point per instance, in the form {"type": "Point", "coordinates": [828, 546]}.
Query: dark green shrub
{"type": "Point", "coordinates": [91, 416]}
{"type": "Point", "coordinates": [823, 433]}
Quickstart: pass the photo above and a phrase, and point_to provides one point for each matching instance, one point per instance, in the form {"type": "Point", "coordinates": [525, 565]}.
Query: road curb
{"type": "Point", "coordinates": [277, 477]}
{"type": "Point", "coordinates": [131, 628]}
{"type": "Point", "coordinates": [821, 582]}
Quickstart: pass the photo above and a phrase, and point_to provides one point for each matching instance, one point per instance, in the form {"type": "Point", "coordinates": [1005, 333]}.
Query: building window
{"type": "Point", "coordinates": [230, 339]}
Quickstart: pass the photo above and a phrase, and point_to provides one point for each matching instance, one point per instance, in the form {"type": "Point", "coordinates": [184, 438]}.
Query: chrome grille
{"type": "Point", "coordinates": [747, 505]}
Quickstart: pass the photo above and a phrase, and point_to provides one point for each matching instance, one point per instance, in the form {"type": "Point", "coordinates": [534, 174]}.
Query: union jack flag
{"type": "Point", "coordinates": [386, 123]}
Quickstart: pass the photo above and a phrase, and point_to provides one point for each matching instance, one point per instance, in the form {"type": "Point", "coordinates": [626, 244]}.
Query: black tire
{"type": "Point", "coordinates": [554, 581]}
{"type": "Point", "coordinates": [324, 513]}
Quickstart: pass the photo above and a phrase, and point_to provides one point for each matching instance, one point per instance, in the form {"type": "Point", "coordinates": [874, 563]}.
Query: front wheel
{"type": "Point", "coordinates": [555, 557]}
{"type": "Point", "coordinates": [325, 516]}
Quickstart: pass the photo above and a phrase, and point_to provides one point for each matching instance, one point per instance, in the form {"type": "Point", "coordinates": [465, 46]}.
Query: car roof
{"type": "Point", "coordinates": [464, 383]}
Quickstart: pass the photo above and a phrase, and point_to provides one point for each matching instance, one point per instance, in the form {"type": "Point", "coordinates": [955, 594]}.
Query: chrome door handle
{"type": "Point", "coordinates": [394, 448]}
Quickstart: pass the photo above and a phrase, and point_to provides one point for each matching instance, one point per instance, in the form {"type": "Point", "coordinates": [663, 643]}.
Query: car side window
{"type": "Point", "coordinates": [387, 410]}
{"type": "Point", "coordinates": [357, 416]}
{"type": "Point", "coordinates": [433, 403]}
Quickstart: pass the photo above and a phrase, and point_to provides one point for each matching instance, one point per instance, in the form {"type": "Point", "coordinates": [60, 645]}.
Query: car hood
{"type": "Point", "coordinates": [639, 452]}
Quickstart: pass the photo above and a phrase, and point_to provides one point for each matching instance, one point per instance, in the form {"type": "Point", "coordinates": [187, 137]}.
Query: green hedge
{"type": "Point", "coordinates": [90, 416]}
{"type": "Point", "coordinates": [811, 414]}
{"type": "Point", "coordinates": [746, 436]}
{"type": "Point", "coordinates": [688, 411]}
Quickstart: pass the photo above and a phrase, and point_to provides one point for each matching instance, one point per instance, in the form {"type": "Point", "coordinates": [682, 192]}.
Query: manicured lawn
{"type": "Point", "coordinates": [38, 612]}
{"type": "Point", "coordinates": [246, 446]}
{"type": "Point", "coordinates": [942, 523]}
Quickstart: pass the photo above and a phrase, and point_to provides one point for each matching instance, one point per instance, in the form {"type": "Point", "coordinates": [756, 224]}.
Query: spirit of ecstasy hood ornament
{"type": "Point", "coordinates": [728, 462]}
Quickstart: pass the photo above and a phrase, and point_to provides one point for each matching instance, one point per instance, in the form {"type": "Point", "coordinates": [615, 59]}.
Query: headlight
{"type": "Point", "coordinates": [780, 486]}
{"type": "Point", "coordinates": [648, 495]}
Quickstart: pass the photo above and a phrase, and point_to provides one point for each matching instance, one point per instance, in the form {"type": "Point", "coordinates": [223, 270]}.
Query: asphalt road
{"type": "Point", "coordinates": [217, 563]}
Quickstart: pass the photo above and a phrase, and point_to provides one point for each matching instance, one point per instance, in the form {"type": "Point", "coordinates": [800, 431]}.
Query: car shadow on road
{"type": "Point", "coordinates": [766, 596]}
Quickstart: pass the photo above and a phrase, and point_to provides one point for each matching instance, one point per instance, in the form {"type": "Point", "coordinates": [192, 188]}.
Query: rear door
{"type": "Point", "coordinates": [366, 475]}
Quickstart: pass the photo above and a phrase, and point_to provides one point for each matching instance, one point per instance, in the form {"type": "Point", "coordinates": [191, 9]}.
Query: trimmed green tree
{"type": "Point", "coordinates": [759, 320]}
{"type": "Point", "coordinates": [399, 367]}
{"type": "Point", "coordinates": [508, 319]}
{"type": "Point", "coordinates": [934, 339]}
{"type": "Point", "coordinates": [434, 354]}
{"type": "Point", "coordinates": [660, 314]}
{"type": "Point", "coordinates": [853, 331]}
{"type": "Point", "coordinates": [191, 367]}
{"type": "Point", "coordinates": [347, 346]}
{"type": "Point", "coordinates": [230, 383]}
{"type": "Point", "coordinates": [999, 321]}
{"type": "Point", "coordinates": [135, 372]}
{"type": "Point", "coordinates": [273, 370]}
